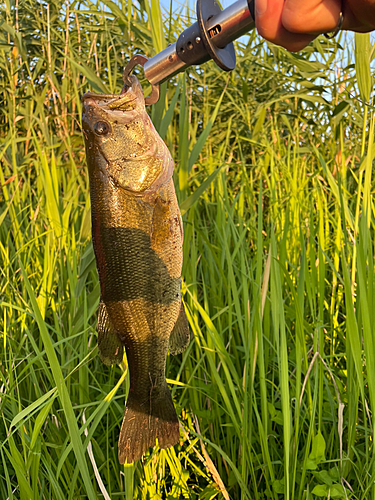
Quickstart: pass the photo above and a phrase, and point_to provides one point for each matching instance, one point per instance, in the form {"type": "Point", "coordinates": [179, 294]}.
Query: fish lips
{"type": "Point", "coordinates": [123, 108]}
{"type": "Point", "coordinates": [107, 107]}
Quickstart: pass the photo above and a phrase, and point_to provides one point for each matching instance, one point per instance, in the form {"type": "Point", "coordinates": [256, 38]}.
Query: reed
{"type": "Point", "coordinates": [275, 392]}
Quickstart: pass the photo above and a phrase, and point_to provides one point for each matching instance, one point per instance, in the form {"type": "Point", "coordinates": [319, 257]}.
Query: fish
{"type": "Point", "coordinates": [137, 235]}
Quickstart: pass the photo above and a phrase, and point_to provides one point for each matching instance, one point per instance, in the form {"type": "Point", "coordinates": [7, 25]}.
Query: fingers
{"type": "Point", "coordinates": [293, 24]}
{"type": "Point", "coordinates": [268, 20]}
{"type": "Point", "coordinates": [313, 17]}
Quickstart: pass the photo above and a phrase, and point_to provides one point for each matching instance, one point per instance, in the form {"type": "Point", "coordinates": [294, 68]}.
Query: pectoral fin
{"type": "Point", "coordinates": [110, 347]}
{"type": "Point", "coordinates": [180, 336]}
{"type": "Point", "coordinates": [161, 224]}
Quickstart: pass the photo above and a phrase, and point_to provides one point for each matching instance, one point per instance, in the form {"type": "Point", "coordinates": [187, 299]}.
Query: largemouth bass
{"type": "Point", "coordinates": [137, 236]}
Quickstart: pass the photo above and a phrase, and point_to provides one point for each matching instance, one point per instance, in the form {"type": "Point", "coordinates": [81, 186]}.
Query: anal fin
{"type": "Point", "coordinates": [180, 336]}
{"type": "Point", "coordinates": [110, 347]}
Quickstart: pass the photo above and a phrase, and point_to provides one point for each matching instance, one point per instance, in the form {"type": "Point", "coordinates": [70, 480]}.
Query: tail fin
{"type": "Point", "coordinates": [144, 421]}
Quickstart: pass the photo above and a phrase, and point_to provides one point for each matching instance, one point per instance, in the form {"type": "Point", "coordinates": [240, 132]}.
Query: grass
{"type": "Point", "coordinates": [276, 391]}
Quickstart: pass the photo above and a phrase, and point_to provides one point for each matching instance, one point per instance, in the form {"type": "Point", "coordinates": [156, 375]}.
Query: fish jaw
{"type": "Point", "coordinates": [118, 130]}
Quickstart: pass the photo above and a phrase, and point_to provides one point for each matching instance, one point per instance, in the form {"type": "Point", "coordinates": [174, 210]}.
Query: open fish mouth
{"type": "Point", "coordinates": [127, 100]}
{"type": "Point", "coordinates": [111, 103]}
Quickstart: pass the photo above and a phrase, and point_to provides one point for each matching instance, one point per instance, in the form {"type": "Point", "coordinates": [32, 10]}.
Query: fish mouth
{"type": "Point", "coordinates": [116, 104]}
{"type": "Point", "coordinates": [110, 103]}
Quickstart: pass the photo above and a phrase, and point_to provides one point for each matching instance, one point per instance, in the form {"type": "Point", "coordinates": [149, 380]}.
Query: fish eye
{"type": "Point", "coordinates": [101, 128]}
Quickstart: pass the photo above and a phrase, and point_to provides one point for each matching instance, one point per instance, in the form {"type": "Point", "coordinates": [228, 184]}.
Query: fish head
{"type": "Point", "coordinates": [118, 129]}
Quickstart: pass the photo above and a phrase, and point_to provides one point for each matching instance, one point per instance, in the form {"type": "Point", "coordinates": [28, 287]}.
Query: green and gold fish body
{"type": "Point", "coordinates": [137, 237]}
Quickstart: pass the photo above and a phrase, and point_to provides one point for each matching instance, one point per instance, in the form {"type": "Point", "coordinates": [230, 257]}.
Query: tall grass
{"type": "Point", "coordinates": [276, 392]}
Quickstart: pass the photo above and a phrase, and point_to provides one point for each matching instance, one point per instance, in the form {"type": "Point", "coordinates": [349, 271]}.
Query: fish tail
{"type": "Point", "coordinates": [146, 420]}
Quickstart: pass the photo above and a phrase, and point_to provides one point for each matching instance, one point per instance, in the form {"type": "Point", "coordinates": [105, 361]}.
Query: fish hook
{"type": "Point", "coordinates": [139, 59]}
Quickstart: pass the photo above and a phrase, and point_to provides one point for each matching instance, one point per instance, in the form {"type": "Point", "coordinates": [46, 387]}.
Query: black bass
{"type": "Point", "coordinates": [137, 237]}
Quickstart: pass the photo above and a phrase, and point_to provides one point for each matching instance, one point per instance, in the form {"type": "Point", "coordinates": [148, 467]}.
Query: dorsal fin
{"type": "Point", "coordinates": [180, 336]}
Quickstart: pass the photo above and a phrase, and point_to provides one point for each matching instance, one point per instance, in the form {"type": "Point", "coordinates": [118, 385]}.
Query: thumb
{"type": "Point", "coordinates": [269, 23]}
{"type": "Point", "coordinates": [311, 17]}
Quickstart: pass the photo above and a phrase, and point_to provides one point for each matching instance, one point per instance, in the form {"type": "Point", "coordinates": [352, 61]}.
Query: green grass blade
{"type": "Point", "coordinates": [62, 391]}
{"type": "Point", "coordinates": [362, 64]}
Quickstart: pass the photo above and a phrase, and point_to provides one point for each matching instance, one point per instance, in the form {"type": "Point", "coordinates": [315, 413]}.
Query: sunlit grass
{"type": "Point", "coordinates": [275, 392]}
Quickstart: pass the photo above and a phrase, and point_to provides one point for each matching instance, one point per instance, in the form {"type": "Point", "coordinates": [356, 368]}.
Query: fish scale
{"type": "Point", "coordinates": [137, 238]}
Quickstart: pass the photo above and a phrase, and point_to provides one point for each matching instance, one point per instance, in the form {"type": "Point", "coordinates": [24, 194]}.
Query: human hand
{"type": "Point", "coordinates": [293, 24]}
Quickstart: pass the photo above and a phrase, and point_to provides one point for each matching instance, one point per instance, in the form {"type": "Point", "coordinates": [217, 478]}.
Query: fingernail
{"type": "Point", "coordinates": [260, 7]}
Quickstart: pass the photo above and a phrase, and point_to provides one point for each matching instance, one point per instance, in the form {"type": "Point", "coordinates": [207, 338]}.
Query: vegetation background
{"type": "Point", "coordinates": [276, 392]}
